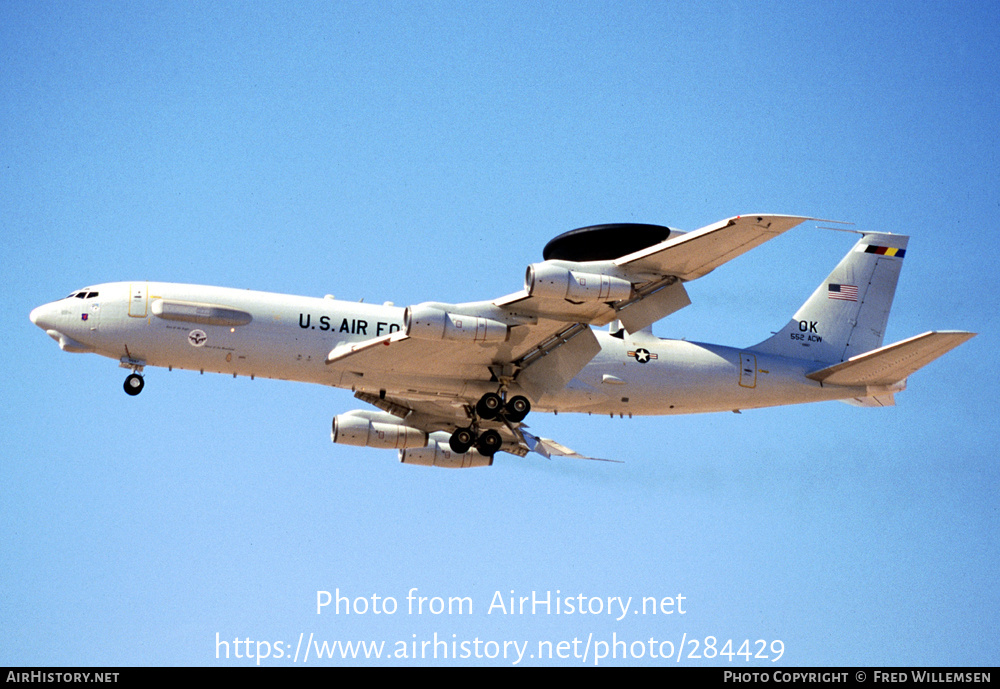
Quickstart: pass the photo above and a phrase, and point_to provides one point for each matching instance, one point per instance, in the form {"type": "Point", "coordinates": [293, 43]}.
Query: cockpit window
{"type": "Point", "coordinates": [83, 294]}
{"type": "Point", "coordinates": [91, 295]}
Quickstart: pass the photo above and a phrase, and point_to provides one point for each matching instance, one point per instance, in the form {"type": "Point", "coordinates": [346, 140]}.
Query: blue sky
{"type": "Point", "coordinates": [427, 151]}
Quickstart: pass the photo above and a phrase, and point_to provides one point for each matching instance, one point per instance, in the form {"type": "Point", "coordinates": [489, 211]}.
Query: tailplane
{"type": "Point", "coordinates": [847, 314]}
{"type": "Point", "coordinates": [893, 363]}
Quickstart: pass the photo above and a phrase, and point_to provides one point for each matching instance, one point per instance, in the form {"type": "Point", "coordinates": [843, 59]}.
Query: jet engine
{"type": "Point", "coordinates": [437, 453]}
{"type": "Point", "coordinates": [375, 429]}
{"type": "Point", "coordinates": [427, 322]}
{"type": "Point", "coordinates": [555, 282]}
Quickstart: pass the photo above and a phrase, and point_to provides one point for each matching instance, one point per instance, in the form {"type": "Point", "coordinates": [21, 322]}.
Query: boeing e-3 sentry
{"type": "Point", "coordinates": [451, 384]}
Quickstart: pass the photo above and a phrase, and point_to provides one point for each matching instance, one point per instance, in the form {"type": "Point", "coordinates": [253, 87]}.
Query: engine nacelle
{"type": "Point", "coordinates": [438, 453]}
{"type": "Point", "coordinates": [364, 431]}
{"type": "Point", "coordinates": [555, 282]}
{"type": "Point", "coordinates": [430, 323]}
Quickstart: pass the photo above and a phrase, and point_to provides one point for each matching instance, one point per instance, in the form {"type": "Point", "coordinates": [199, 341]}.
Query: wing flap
{"type": "Point", "coordinates": [892, 363]}
{"type": "Point", "coordinates": [658, 304]}
{"type": "Point", "coordinates": [887, 399]}
{"type": "Point", "coordinates": [549, 448]}
{"type": "Point", "coordinates": [557, 366]}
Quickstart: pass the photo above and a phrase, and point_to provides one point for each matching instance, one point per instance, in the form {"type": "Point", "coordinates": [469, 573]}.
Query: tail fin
{"type": "Point", "coordinates": [847, 314]}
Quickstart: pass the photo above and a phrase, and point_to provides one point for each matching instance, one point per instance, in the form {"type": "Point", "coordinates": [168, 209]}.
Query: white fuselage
{"type": "Point", "coordinates": [285, 337]}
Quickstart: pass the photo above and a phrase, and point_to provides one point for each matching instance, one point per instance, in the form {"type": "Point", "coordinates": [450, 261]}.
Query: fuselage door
{"type": "Point", "coordinates": [748, 370]}
{"type": "Point", "coordinates": [137, 300]}
{"type": "Point", "coordinates": [92, 311]}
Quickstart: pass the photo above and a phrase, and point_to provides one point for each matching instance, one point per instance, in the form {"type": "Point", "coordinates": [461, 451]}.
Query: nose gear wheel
{"type": "Point", "coordinates": [134, 384]}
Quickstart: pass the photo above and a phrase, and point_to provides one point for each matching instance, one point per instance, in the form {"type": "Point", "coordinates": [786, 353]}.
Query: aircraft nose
{"type": "Point", "coordinates": [42, 316]}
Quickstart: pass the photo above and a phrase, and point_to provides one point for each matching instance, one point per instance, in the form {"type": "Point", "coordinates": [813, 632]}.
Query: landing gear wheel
{"type": "Point", "coordinates": [517, 408]}
{"type": "Point", "coordinates": [489, 442]}
{"type": "Point", "coordinates": [461, 440]}
{"type": "Point", "coordinates": [489, 405]}
{"type": "Point", "coordinates": [134, 384]}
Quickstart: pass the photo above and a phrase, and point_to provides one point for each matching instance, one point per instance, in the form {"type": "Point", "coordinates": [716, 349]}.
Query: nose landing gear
{"type": "Point", "coordinates": [134, 384]}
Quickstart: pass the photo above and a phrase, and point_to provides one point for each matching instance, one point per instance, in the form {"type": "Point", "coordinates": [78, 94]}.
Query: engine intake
{"type": "Point", "coordinates": [555, 282]}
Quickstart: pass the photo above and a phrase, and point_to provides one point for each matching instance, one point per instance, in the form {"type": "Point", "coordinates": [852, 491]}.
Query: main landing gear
{"type": "Point", "coordinates": [490, 406]}
{"type": "Point", "coordinates": [487, 442]}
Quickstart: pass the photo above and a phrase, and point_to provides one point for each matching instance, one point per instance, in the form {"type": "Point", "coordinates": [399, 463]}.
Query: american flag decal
{"type": "Point", "coordinates": [843, 292]}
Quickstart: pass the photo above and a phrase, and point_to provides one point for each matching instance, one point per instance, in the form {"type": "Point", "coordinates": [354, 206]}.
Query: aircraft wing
{"type": "Point", "coordinates": [695, 254]}
{"type": "Point", "coordinates": [540, 337]}
{"type": "Point", "coordinates": [565, 347]}
{"type": "Point", "coordinates": [657, 272]}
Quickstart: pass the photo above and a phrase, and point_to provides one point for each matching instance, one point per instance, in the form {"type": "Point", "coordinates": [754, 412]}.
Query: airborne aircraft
{"type": "Point", "coordinates": [451, 384]}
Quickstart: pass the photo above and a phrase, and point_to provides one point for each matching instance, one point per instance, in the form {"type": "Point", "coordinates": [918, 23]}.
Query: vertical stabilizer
{"type": "Point", "coordinates": [847, 314]}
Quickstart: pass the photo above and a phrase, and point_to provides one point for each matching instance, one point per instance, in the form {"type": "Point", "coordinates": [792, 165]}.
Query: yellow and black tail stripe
{"type": "Point", "coordinates": [882, 250]}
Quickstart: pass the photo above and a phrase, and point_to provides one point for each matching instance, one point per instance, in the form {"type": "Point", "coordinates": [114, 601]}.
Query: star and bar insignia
{"type": "Point", "coordinates": [642, 355]}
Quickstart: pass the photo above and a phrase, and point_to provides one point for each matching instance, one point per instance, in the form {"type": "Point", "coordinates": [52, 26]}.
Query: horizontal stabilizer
{"type": "Point", "coordinates": [892, 363]}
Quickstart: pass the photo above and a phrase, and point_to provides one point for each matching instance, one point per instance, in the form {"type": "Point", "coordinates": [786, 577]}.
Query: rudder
{"type": "Point", "coordinates": [847, 314]}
